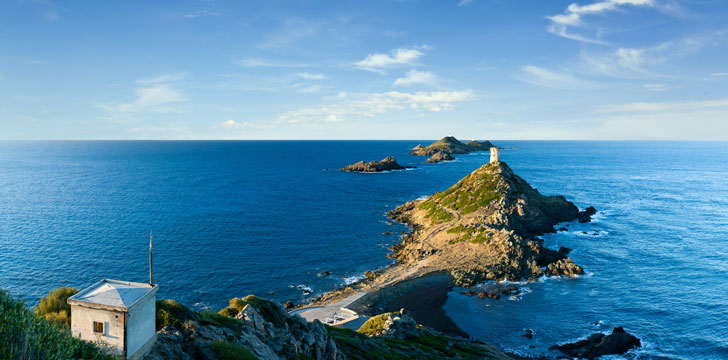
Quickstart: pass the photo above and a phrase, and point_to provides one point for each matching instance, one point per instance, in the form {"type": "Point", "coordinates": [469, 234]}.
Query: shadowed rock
{"type": "Point", "coordinates": [597, 345]}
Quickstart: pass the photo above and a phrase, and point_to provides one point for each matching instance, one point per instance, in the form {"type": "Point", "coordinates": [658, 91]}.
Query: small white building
{"type": "Point", "coordinates": [120, 314]}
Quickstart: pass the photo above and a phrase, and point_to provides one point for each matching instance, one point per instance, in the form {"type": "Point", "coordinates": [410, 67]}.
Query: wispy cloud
{"type": "Point", "coordinates": [200, 13]}
{"type": "Point", "coordinates": [356, 106]}
{"type": "Point", "coordinates": [654, 107]}
{"type": "Point", "coordinates": [719, 74]}
{"type": "Point", "coordinates": [163, 78]}
{"type": "Point", "coordinates": [640, 62]}
{"type": "Point", "coordinates": [156, 95]}
{"type": "Point", "coordinates": [574, 14]}
{"type": "Point", "coordinates": [310, 76]}
{"type": "Point", "coordinates": [551, 79]}
{"type": "Point", "coordinates": [260, 63]}
{"type": "Point", "coordinates": [397, 57]}
{"type": "Point", "coordinates": [657, 87]}
{"type": "Point", "coordinates": [415, 77]}
{"type": "Point", "coordinates": [464, 2]}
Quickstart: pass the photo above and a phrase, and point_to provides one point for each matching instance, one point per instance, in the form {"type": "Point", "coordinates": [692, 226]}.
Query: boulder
{"type": "Point", "coordinates": [598, 345]}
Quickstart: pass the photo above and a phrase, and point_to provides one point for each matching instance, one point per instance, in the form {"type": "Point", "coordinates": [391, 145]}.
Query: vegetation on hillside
{"type": "Point", "coordinates": [23, 335]}
{"type": "Point", "coordinates": [228, 351]}
{"type": "Point", "coordinates": [55, 308]}
{"type": "Point", "coordinates": [356, 345]}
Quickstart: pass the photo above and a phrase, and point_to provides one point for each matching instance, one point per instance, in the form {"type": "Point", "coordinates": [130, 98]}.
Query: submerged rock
{"type": "Point", "coordinates": [597, 345]}
{"type": "Point", "coordinates": [386, 164]}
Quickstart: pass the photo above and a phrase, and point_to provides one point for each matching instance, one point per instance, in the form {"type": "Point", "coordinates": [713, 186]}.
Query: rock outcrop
{"type": "Point", "coordinates": [259, 328]}
{"type": "Point", "coordinates": [585, 216]}
{"type": "Point", "coordinates": [386, 164]}
{"type": "Point", "coordinates": [484, 228]}
{"type": "Point", "coordinates": [598, 345]}
{"type": "Point", "coordinates": [440, 156]}
{"type": "Point", "coordinates": [262, 327]}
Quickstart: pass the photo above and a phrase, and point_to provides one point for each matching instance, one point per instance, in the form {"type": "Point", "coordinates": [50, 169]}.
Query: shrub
{"type": "Point", "coordinates": [213, 318]}
{"type": "Point", "coordinates": [229, 312]}
{"type": "Point", "coordinates": [229, 351]}
{"type": "Point", "coordinates": [270, 311]}
{"type": "Point", "coordinates": [172, 313]}
{"type": "Point", "coordinates": [24, 335]}
{"type": "Point", "coordinates": [54, 307]}
{"type": "Point", "coordinates": [374, 325]}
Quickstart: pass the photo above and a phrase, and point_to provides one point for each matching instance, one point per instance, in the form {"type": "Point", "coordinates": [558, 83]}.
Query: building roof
{"type": "Point", "coordinates": [120, 295]}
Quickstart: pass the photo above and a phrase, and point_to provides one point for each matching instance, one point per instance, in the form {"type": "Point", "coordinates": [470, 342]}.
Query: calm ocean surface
{"type": "Point", "coordinates": [255, 217]}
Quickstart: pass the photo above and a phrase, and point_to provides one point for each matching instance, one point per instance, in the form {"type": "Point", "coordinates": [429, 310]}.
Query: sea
{"type": "Point", "coordinates": [276, 219]}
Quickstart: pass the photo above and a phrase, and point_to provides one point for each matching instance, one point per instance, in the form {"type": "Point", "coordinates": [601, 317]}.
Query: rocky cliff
{"type": "Point", "coordinates": [439, 156]}
{"type": "Point", "coordinates": [387, 164]}
{"type": "Point", "coordinates": [484, 228]}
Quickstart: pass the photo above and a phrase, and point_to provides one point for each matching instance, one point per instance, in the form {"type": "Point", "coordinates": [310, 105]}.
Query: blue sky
{"type": "Point", "coordinates": [484, 69]}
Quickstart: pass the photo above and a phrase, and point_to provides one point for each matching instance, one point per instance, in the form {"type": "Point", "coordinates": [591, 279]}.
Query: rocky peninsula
{"type": "Point", "coordinates": [387, 164]}
{"type": "Point", "coordinates": [484, 228]}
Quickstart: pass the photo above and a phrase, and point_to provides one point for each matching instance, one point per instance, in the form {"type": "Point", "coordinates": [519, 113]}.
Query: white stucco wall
{"type": "Point", "coordinates": [82, 323]}
{"type": "Point", "coordinates": [140, 325]}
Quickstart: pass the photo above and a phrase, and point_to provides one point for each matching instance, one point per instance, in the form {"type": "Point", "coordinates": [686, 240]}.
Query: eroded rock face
{"type": "Point", "coordinates": [440, 156]}
{"type": "Point", "coordinates": [598, 345]}
{"type": "Point", "coordinates": [399, 325]}
{"type": "Point", "coordinates": [259, 333]}
{"type": "Point", "coordinates": [386, 164]}
{"type": "Point", "coordinates": [585, 216]}
{"type": "Point", "coordinates": [484, 228]}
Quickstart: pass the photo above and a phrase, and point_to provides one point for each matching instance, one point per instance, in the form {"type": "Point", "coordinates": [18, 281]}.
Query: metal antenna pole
{"type": "Point", "coordinates": [151, 282]}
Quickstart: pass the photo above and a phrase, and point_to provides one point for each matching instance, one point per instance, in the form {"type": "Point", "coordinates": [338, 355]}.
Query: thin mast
{"type": "Point", "coordinates": [151, 282]}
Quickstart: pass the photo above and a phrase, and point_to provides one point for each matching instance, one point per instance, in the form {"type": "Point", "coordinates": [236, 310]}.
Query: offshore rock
{"type": "Point", "coordinates": [598, 345]}
{"type": "Point", "coordinates": [440, 156]}
{"type": "Point", "coordinates": [585, 216]}
{"type": "Point", "coordinates": [386, 164]}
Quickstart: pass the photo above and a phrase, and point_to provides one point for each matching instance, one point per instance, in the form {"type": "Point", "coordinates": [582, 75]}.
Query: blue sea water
{"type": "Point", "coordinates": [266, 217]}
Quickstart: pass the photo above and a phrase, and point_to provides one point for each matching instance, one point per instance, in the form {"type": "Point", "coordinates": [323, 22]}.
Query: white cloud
{"type": "Point", "coordinates": [232, 124]}
{"type": "Point", "coordinates": [311, 89]}
{"type": "Point", "coordinates": [719, 74]}
{"type": "Point", "coordinates": [309, 76]}
{"type": "Point", "coordinates": [402, 56]}
{"type": "Point", "coordinates": [547, 78]}
{"type": "Point", "coordinates": [373, 104]}
{"type": "Point", "coordinates": [257, 62]}
{"type": "Point", "coordinates": [415, 77]}
{"type": "Point", "coordinates": [156, 96]}
{"type": "Point", "coordinates": [464, 2]}
{"type": "Point", "coordinates": [574, 14]}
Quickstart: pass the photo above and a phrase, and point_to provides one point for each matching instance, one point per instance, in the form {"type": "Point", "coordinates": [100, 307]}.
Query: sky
{"type": "Point", "coordinates": [408, 69]}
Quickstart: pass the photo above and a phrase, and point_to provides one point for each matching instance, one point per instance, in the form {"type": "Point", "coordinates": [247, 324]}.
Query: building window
{"type": "Point", "coordinates": [98, 327]}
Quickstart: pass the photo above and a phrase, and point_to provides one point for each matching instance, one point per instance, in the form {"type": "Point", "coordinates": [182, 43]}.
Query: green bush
{"type": "Point", "coordinates": [229, 351]}
{"type": "Point", "coordinates": [270, 311]}
{"type": "Point", "coordinates": [172, 313]}
{"type": "Point", "coordinates": [55, 308]}
{"type": "Point", "coordinates": [213, 318]}
{"type": "Point", "coordinates": [24, 335]}
{"type": "Point", "coordinates": [374, 325]}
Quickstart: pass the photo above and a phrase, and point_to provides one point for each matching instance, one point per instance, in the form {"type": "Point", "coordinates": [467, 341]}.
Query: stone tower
{"type": "Point", "coordinates": [494, 154]}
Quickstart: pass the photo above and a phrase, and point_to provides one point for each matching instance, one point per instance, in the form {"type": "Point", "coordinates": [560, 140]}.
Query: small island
{"type": "Point", "coordinates": [443, 149]}
{"type": "Point", "coordinates": [387, 164]}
